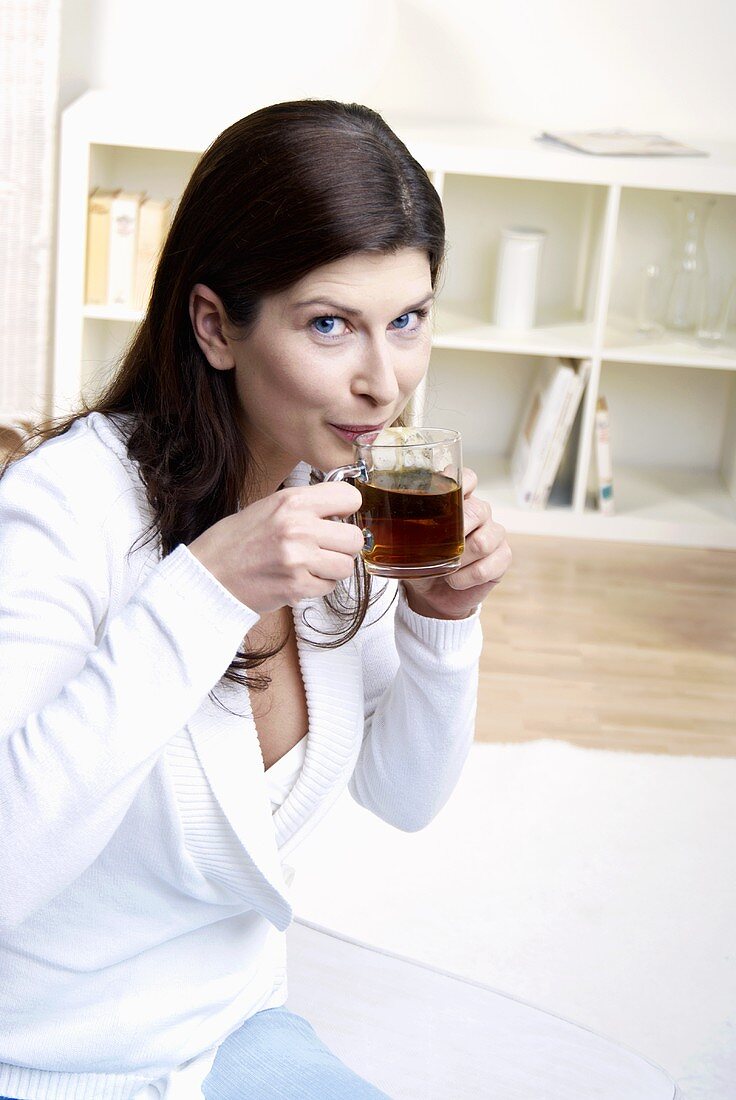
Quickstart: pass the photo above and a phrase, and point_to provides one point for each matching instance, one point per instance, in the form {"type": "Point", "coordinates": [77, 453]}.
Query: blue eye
{"type": "Point", "coordinates": [328, 326]}
{"type": "Point", "coordinates": [404, 322]}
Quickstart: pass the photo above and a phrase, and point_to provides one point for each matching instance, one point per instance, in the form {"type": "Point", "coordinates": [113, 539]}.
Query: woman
{"type": "Point", "coordinates": [192, 662]}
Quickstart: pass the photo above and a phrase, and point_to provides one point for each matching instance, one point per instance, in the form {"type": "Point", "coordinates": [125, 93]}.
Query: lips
{"type": "Point", "coordinates": [352, 431]}
{"type": "Point", "coordinates": [358, 428]}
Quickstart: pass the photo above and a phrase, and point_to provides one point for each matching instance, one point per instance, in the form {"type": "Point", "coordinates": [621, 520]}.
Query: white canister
{"type": "Point", "coordinates": [517, 276]}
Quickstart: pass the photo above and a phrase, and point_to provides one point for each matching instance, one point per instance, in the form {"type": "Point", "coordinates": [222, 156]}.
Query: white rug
{"type": "Point", "coordinates": [599, 885]}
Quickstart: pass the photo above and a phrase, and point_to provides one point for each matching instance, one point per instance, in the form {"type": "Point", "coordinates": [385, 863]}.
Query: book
{"type": "Point", "coordinates": [603, 458]}
{"type": "Point", "coordinates": [620, 143]}
{"type": "Point", "coordinates": [123, 242]}
{"type": "Point", "coordinates": [98, 246]}
{"type": "Point", "coordinates": [553, 458]}
{"type": "Point", "coordinates": [541, 416]}
{"type": "Point", "coordinates": [153, 223]}
{"type": "Point", "coordinates": [562, 491]}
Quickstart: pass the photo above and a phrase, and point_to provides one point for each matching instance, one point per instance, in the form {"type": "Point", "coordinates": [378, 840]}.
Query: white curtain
{"type": "Point", "coordinates": [29, 66]}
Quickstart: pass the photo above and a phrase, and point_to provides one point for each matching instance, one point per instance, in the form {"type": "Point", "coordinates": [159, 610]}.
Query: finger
{"type": "Point", "coordinates": [333, 498]}
{"type": "Point", "coordinates": [470, 481]}
{"type": "Point", "coordinates": [312, 588]}
{"type": "Point", "coordinates": [484, 571]}
{"type": "Point", "coordinates": [344, 538]}
{"type": "Point", "coordinates": [476, 513]}
{"type": "Point", "coordinates": [330, 566]}
{"type": "Point", "coordinates": [483, 541]}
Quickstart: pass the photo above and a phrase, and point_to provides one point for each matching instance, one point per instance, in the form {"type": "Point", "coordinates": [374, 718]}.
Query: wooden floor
{"type": "Point", "coordinates": [612, 645]}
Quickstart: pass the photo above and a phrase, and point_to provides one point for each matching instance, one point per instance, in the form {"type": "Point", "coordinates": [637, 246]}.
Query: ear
{"type": "Point", "coordinates": [208, 320]}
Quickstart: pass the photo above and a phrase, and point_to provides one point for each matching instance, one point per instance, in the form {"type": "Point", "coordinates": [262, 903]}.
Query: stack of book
{"type": "Point", "coordinates": [125, 233]}
{"type": "Point", "coordinates": [546, 428]}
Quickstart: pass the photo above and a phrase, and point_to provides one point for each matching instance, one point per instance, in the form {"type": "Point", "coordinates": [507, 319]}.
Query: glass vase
{"type": "Point", "coordinates": [689, 275]}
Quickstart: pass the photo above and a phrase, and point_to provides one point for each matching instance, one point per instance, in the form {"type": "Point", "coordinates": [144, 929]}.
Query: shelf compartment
{"type": "Point", "coordinates": [646, 234]}
{"type": "Point", "coordinates": [669, 504]}
{"type": "Point", "coordinates": [667, 415]}
{"type": "Point", "coordinates": [499, 384]}
{"type": "Point", "coordinates": [477, 208]}
{"type": "Point", "coordinates": [462, 328]}
{"type": "Point", "coordinates": [670, 432]}
{"type": "Point", "coordinates": [623, 343]}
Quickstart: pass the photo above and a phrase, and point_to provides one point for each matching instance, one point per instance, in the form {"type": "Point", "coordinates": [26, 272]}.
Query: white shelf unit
{"type": "Point", "coordinates": [673, 403]}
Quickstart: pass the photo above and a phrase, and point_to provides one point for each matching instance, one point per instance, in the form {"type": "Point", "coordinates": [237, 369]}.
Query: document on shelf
{"type": "Point", "coordinates": [620, 143]}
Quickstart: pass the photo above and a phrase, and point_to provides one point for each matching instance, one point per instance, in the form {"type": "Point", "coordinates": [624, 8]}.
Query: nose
{"type": "Point", "coordinates": [376, 375]}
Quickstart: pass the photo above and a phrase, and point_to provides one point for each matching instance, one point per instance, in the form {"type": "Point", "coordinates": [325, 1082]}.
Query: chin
{"type": "Point", "coordinates": [332, 461]}
{"type": "Point", "coordinates": [326, 457]}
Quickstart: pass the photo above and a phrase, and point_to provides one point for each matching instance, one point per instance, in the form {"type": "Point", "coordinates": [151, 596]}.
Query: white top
{"type": "Point", "coordinates": [284, 772]}
{"type": "Point", "coordinates": [143, 895]}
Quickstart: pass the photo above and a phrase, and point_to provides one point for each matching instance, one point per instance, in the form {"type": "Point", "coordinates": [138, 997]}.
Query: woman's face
{"type": "Point", "coordinates": [341, 350]}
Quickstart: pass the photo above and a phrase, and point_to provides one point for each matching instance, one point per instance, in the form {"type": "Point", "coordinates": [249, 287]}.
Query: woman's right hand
{"type": "Point", "coordinates": [284, 548]}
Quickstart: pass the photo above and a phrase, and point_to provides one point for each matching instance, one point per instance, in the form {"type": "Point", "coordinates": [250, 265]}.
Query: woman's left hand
{"type": "Point", "coordinates": [486, 558]}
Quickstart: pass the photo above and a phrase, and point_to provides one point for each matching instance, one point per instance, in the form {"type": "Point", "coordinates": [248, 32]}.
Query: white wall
{"type": "Point", "coordinates": [661, 64]}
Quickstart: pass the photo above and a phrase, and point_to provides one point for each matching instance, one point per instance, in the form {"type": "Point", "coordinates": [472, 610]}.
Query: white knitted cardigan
{"type": "Point", "coordinates": [143, 897]}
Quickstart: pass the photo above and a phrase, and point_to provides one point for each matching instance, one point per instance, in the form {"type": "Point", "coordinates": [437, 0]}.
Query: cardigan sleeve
{"type": "Point", "coordinates": [420, 681]}
{"type": "Point", "coordinates": [88, 702]}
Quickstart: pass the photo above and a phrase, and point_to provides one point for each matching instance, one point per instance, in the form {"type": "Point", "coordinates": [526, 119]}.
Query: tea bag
{"type": "Point", "coordinates": [401, 450]}
{"type": "Point", "coordinates": [414, 481]}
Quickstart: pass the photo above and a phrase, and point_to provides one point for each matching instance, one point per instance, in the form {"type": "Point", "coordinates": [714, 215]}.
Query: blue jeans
{"type": "Point", "coordinates": [276, 1055]}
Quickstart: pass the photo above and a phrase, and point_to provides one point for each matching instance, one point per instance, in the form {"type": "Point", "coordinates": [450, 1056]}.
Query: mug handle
{"type": "Point", "coordinates": [360, 471]}
{"type": "Point", "coordinates": [341, 472]}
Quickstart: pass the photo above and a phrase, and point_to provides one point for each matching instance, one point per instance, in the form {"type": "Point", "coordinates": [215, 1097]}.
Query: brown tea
{"type": "Point", "coordinates": [415, 518]}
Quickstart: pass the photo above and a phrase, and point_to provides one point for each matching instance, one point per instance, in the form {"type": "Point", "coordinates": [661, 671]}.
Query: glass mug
{"type": "Point", "coordinates": [410, 480]}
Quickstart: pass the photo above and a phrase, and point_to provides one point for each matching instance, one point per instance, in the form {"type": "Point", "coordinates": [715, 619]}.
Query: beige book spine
{"type": "Point", "coordinates": [154, 216]}
{"type": "Point", "coordinates": [123, 238]}
{"type": "Point", "coordinates": [98, 246]}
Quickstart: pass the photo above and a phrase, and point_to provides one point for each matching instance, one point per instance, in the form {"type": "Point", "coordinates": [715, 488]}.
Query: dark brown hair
{"type": "Point", "coordinates": [279, 193]}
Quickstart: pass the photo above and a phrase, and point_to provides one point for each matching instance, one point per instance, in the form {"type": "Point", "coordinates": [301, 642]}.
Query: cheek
{"type": "Point", "coordinates": [285, 379]}
{"type": "Point", "coordinates": [413, 369]}
{"type": "Point", "coordinates": [307, 387]}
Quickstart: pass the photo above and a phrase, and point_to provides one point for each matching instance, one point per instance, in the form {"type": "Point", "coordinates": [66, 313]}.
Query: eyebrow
{"type": "Point", "coordinates": [333, 307]}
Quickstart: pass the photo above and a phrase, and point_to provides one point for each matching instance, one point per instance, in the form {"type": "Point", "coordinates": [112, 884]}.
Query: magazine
{"type": "Point", "coordinates": [620, 143]}
{"type": "Point", "coordinates": [563, 428]}
{"type": "Point", "coordinates": [545, 402]}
